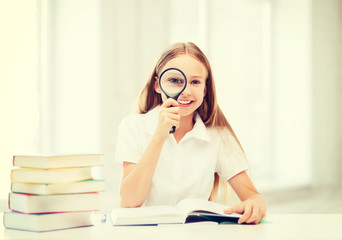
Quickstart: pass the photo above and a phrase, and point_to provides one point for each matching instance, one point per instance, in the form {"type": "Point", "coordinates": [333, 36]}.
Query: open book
{"type": "Point", "coordinates": [186, 211]}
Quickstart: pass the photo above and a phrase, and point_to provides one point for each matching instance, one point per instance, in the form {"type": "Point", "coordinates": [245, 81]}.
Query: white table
{"type": "Point", "coordinates": [281, 226]}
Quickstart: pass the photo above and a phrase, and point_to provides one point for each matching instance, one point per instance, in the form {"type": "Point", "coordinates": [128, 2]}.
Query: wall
{"type": "Point", "coordinates": [291, 92]}
{"type": "Point", "coordinates": [327, 91]}
{"type": "Point", "coordinates": [133, 34]}
{"type": "Point", "coordinates": [18, 86]}
{"type": "Point", "coordinates": [72, 84]}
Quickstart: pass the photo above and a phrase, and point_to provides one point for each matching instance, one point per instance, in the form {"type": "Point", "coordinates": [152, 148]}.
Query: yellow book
{"type": "Point", "coordinates": [57, 161]}
{"type": "Point", "coordinates": [30, 175]}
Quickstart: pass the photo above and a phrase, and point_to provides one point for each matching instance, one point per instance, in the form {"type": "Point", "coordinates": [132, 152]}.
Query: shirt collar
{"type": "Point", "coordinates": [199, 130]}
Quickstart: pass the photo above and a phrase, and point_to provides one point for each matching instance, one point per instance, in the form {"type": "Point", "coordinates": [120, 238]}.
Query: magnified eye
{"type": "Point", "coordinates": [172, 82]}
{"type": "Point", "coordinates": [176, 80]}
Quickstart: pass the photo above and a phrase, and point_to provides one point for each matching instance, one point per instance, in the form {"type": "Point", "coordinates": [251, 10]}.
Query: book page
{"type": "Point", "coordinates": [154, 215]}
{"type": "Point", "coordinates": [146, 211]}
{"type": "Point", "coordinates": [191, 205]}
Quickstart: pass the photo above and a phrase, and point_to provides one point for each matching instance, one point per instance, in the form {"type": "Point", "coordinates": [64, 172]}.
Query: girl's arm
{"type": "Point", "coordinates": [253, 206]}
{"type": "Point", "coordinates": [137, 177]}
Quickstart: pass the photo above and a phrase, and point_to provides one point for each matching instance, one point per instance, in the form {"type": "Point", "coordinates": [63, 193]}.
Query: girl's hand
{"type": "Point", "coordinates": [253, 209]}
{"type": "Point", "coordinates": [168, 117]}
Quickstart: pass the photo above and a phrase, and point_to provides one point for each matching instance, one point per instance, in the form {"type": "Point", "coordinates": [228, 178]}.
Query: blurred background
{"type": "Point", "coordinates": [70, 70]}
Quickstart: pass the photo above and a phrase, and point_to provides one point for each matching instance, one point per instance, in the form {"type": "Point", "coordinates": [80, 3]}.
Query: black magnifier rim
{"type": "Point", "coordinates": [177, 95]}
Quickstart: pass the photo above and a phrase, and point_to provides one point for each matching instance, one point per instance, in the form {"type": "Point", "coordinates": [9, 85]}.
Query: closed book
{"type": "Point", "coordinates": [31, 175]}
{"type": "Point", "coordinates": [91, 185]}
{"type": "Point", "coordinates": [57, 161]}
{"type": "Point", "coordinates": [28, 203]}
{"type": "Point", "coordinates": [47, 221]}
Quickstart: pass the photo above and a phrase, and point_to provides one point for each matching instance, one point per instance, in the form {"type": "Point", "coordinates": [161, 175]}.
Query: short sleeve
{"type": "Point", "coordinates": [129, 146]}
{"type": "Point", "coordinates": [231, 158]}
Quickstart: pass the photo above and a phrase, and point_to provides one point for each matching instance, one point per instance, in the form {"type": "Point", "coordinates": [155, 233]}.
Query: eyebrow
{"type": "Point", "coordinates": [196, 76]}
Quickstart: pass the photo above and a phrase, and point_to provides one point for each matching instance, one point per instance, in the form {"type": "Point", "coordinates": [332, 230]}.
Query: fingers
{"type": "Point", "coordinates": [170, 113]}
{"type": "Point", "coordinates": [246, 214]}
{"type": "Point", "coordinates": [250, 213]}
{"type": "Point", "coordinates": [239, 208]}
{"type": "Point", "coordinates": [168, 117]}
{"type": "Point", "coordinates": [170, 109]}
{"type": "Point", "coordinates": [254, 217]}
{"type": "Point", "coordinates": [170, 102]}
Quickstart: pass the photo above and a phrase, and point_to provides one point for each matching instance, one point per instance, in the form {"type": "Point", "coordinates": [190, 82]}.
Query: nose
{"type": "Point", "coordinates": [187, 91]}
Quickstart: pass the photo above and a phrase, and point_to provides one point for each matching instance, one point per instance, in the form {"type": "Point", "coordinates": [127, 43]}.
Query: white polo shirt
{"type": "Point", "coordinates": [185, 169]}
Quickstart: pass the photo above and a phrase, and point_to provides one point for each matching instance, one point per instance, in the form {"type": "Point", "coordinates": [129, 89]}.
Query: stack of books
{"type": "Point", "coordinates": [53, 192]}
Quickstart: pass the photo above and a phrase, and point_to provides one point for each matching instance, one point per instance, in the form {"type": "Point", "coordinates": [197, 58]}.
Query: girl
{"type": "Point", "coordinates": [161, 168]}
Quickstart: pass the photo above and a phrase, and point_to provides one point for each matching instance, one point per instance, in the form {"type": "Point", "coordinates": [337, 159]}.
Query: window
{"type": "Point", "coordinates": [262, 69]}
{"type": "Point", "coordinates": [239, 46]}
{"type": "Point", "coordinates": [50, 85]}
{"type": "Point", "coordinates": [236, 36]}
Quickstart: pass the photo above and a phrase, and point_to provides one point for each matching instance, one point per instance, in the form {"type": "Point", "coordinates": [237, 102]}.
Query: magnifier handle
{"type": "Point", "coordinates": [173, 129]}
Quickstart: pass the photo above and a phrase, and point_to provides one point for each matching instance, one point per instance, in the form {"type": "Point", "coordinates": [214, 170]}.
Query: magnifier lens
{"type": "Point", "coordinates": [172, 82]}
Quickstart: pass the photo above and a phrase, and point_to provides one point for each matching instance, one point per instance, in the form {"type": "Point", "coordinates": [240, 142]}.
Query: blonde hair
{"type": "Point", "coordinates": [209, 110]}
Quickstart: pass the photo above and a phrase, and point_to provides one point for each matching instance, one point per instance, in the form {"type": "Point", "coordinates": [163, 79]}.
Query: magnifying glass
{"type": "Point", "coordinates": [172, 82]}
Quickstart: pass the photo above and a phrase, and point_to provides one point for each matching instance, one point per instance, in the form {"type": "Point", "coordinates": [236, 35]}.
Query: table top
{"type": "Point", "coordinates": [278, 226]}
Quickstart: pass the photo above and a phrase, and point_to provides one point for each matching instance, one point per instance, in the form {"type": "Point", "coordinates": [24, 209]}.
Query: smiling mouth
{"type": "Point", "coordinates": [184, 102]}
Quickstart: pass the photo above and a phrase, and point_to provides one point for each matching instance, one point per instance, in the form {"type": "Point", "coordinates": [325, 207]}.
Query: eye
{"type": "Point", "coordinates": [176, 80]}
{"type": "Point", "coordinates": [195, 82]}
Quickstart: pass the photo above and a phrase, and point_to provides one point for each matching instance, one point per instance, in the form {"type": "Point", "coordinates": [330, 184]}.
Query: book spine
{"type": "Point", "coordinates": [28, 196]}
{"type": "Point", "coordinates": [12, 175]}
{"type": "Point", "coordinates": [9, 200]}
{"type": "Point", "coordinates": [3, 220]}
{"type": "Point", "coordinates": [25, 194]}
{"type": "Point", "coordinates": [40, 213]}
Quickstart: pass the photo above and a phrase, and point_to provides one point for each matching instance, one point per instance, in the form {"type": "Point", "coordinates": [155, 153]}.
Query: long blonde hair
{"type": "Point", "coordinates": [209, 110]}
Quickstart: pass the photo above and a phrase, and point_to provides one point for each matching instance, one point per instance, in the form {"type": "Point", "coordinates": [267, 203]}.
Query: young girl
{"type": "Point", "coordinates": [160, 168]}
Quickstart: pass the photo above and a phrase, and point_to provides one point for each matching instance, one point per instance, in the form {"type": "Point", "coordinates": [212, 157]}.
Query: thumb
{"type": "Point", "coordinates": [239, 208]}
{"type": "Point", "coordinates": [170, 102]}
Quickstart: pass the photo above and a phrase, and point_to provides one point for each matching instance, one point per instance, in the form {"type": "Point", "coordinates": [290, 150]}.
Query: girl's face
{"type": "Point", "coordinates": [196, 73]}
